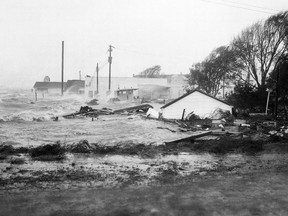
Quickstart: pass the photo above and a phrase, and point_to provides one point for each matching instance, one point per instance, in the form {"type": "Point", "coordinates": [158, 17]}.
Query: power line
{"type": "Point", "coordinates": [234, 6]}
{"type": "Point", "coordinates": [265, 8]}
{"type": "Point", "coordinates": [255, 6]}
{"type": "Point", "coordinates": [103, 65]}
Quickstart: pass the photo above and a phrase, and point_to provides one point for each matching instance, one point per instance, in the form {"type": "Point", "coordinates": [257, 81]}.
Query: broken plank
{"type": "Point", "coordinates": [223, 133]}
{"type": "Point", "coordinates": [134, 108]}
{"type": "Point", "coordinates": [193, 136]}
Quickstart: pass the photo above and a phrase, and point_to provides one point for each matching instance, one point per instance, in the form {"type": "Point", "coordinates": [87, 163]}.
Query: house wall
{"type": "Point", "coordinates": [200, 104]}
{"type": "Point", "coordinates": [124, 96]}
{"type": "Point", "coordinates": [47, 92]}
{"type": "Point", "coordinates": [54, 91]}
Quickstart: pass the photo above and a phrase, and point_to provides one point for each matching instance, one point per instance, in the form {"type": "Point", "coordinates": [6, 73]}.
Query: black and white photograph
{"type": "Point", "coordinates": [143, 107]}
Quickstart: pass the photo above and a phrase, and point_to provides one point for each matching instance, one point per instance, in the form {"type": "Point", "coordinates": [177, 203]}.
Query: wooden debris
{"type": "Point", "coordinates": [142, 107]}
{"type": "Point", "coordinates": [224, 133]}
{"type": "Point", "coordinates": [89, 112]}
{"type": "Point", "coordinates": [193, 136]}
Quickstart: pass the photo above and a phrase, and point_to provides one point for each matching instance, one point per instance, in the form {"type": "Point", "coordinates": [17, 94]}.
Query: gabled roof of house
{"type": "Point", "coordinates": [48, 85]}
{"type": "Point", "coordinates": [185, 95]}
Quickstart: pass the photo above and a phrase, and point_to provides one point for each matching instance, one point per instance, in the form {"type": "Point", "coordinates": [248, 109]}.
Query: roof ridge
{"type": "Point", "coordinates": [188, 93]}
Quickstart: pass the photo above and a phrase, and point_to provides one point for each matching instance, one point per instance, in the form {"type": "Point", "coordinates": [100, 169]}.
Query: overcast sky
{"type": "Point", "coordinates": [171, 33]}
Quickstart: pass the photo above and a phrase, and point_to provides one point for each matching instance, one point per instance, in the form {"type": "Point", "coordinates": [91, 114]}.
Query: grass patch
{"type": "Point", "coordinates": [6, 149]}
{"type": "Point", "coordinates": [3, 156]}
{"type": "Point", "coordinates": [49, 152]}
{"type": "Point", "coordinates": [229, 145]}
{"type": "Point", "coordinates": [17, 160]}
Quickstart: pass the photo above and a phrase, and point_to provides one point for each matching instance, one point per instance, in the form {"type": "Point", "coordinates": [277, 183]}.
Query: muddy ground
{"type": "Point", "coordinates": [183, 180]}
{"type": "Point", "coordinates": [263, 193]}
{"type": "Point", "coordinates": [112, 174]}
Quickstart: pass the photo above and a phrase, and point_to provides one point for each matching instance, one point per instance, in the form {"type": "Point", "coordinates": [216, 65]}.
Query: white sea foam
{"type": "Point", "coordinates": [20, 106]}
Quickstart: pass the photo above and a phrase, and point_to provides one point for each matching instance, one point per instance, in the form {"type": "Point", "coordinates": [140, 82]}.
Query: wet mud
{"type": "Point", "coordinates": [182, 184]}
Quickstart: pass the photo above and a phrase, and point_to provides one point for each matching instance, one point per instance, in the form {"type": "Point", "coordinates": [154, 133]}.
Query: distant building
{"type": "Point", "coordinates": [125, 94]}
{"type": "Point", "coordinates": [153, 92]}
{"type": "Point", "coordinates": [75, 87]}
{"type": "Point", "coordinates": [176, 82]}
{"type": "Point", "coordinates": [117, 83]}
{"type": "Point", "coordinates": [165, 87]}
{"type": "Point", "coordinates": [198, 102]}
{"type": "Point", "coordinates": [43, 89]}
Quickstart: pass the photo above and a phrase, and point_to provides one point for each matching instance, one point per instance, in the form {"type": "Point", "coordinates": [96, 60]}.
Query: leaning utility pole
{"type": "Point", "coordinates": [62, 69]}
{"type": "Point", "coordinates": [110, 62]}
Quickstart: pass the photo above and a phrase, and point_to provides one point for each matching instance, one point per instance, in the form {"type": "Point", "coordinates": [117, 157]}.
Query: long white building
{"type": "Point", "coordinates": [169, 87]}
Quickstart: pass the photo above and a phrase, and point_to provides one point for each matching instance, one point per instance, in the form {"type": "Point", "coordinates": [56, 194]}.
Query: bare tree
{"type": "Point", "coordinates": [259, 48]}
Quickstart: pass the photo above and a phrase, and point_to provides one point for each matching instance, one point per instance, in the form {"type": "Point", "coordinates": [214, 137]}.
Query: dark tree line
{"type": "Point", "coordinates": [249, 63]}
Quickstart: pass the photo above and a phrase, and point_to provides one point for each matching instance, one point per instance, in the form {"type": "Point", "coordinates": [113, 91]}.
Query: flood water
{"type": "Point", "coordinates": [26, 122]}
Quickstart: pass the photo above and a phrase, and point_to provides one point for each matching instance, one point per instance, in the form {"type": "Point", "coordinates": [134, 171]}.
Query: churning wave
{"type": "Point", "coordinates": [19, 105]}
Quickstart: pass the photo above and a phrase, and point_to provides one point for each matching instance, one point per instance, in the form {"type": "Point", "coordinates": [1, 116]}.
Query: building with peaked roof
{"type": "Point", "coordinates": [198, 102]}
{"type": "Point", "coordinates": [43, 89]}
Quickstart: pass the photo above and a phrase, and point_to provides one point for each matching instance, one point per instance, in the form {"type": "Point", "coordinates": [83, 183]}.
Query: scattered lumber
{"type": "Point", "coordinates": [142, 107]}
{"type": "Point", "coordinates": [223, 133]}
{"type": "Point", "coordinates": [87, 111]}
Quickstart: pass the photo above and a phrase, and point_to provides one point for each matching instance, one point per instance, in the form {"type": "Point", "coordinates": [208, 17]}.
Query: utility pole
{"type": "Point", "coordinates": [277, 92]}
{"type": "Point", "coordinates": [267, 103]}
{"type": "Point", "coordinates": [223, 87]}
{"type": "Point", "coordinates": [110, 62]}
{"type": "Point", "coordinates": [97, 79]}
{"type": "Point", "coordinates": [80, 75]}
{"type": "Point", "coordinates": [62, 69]}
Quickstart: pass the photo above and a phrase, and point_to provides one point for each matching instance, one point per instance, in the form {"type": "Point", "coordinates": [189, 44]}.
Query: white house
{"type": "Point", "coordinates": [198, 102]}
